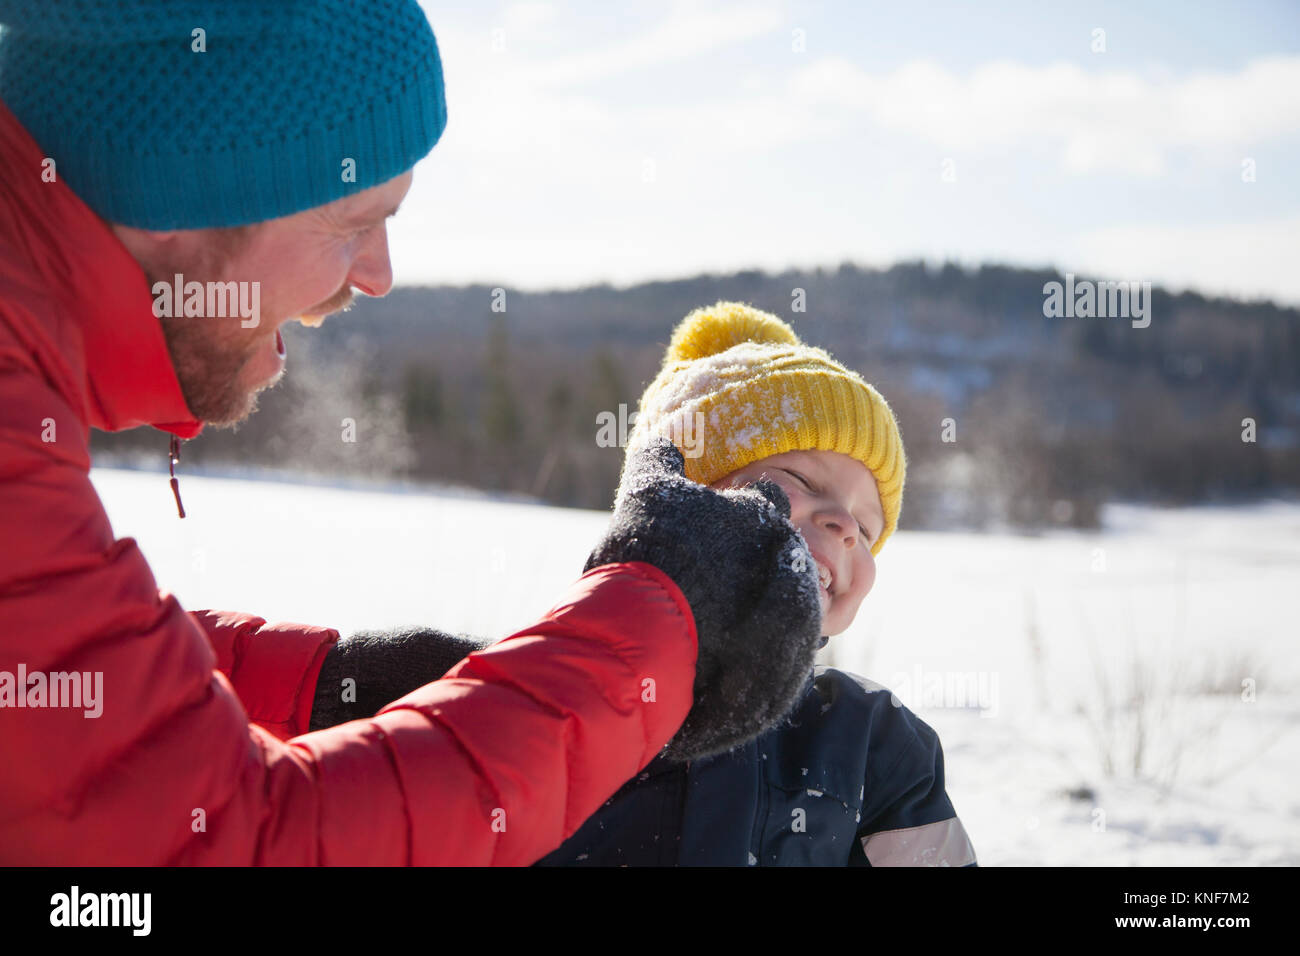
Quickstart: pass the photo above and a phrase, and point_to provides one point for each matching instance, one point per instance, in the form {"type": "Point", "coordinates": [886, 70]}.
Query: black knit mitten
{"type": "Point", "coordinates": [384, 665]}
{"type": "Point", "coordinates": [749, 579]}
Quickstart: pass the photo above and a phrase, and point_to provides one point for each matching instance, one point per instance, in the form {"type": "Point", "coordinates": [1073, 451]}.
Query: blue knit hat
{"type": "Point", "coordinates": [187, 114]}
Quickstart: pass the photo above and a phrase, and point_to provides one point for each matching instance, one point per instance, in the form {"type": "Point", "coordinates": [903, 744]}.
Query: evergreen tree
{"type": "Point", "coordinates": [501, 418]}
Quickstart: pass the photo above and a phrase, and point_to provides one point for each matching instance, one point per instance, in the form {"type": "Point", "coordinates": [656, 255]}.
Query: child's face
{"type": "Point", "coordinates": [835, 504]}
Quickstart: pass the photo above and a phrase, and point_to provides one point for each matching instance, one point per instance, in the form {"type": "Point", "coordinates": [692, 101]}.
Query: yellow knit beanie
{"type": "Point", "coordinates": [738, 385]}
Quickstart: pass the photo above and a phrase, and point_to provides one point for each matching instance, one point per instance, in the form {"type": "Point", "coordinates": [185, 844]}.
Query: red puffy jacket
{"type": "Point", "coordinates": [199, 754]}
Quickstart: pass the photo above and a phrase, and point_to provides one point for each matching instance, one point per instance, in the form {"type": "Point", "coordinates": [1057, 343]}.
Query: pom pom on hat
{"type": "Point", "coordinates": [707, 332]}
{"type": "Point", "coordinates": [737, 385]}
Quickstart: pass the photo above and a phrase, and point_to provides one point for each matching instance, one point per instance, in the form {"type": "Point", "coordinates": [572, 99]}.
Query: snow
{"type": "Point", "coordinates": [1166, 613]}
{"type": "Point", "coordinates": [352, 558]}
{"type": "Point", "coordinates": [1166, 643]}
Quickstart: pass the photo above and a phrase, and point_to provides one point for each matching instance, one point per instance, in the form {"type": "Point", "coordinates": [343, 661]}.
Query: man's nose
{"type": "Point", "coordinates": [372, 272]}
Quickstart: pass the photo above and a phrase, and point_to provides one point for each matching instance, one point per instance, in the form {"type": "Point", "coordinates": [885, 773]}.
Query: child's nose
{"type": "Point", "coordinates": [844, 526]}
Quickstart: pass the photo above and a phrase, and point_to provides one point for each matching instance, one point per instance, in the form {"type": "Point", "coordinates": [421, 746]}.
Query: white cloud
{"type": "Point", "coordinates": [1108, 120]}
{"type": "Point", "coordinates": [686, 32]}
{"type": "Point", "coordinates": [539, 179]}
{"type": "Point", "coordinates": [524, 17]}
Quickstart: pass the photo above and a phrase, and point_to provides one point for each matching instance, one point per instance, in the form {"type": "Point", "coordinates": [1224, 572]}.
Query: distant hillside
{"type": "Point", "coordinates": [1051, 416]}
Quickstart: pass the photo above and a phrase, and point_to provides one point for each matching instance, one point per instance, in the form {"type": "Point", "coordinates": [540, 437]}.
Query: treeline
{"type": "Point", "coordinates": [1009, 417]}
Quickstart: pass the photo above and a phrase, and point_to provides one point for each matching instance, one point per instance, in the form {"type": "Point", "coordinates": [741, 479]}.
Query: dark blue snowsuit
{"type": "Point", "coordinates": [850, 779]}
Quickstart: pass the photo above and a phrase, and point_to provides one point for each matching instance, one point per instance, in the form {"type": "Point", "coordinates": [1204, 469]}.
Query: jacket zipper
{"type": "Point", "coordinates": [173, 459]}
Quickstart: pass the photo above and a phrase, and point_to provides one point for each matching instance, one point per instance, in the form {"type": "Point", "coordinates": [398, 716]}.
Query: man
{"type": "Point", "coordinates": [178, 179]}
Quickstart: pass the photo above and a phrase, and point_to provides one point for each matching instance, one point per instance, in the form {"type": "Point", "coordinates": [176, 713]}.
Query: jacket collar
{"type": "Point", "coordinates": [128, 378]}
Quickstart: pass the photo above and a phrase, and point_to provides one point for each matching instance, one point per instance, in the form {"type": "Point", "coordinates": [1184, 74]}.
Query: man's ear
{"type": "Point", "coordinates": [143, 244]}
{"type": "Point", "coordinates": [153, 235]}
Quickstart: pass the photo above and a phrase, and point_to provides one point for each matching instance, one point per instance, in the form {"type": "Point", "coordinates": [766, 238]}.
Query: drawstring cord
{"type": "Point", "coordinates": [173, 458]}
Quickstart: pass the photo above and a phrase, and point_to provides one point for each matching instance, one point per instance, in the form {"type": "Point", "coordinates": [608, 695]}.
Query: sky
{"type": "Point", "coordinates": [620, 143]}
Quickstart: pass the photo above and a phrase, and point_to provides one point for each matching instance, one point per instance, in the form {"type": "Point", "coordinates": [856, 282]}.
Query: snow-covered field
{"type": "Point", "coordinates": [1123, 698]}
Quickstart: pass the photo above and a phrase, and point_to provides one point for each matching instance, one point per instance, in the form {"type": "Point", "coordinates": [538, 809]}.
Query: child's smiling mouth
{"type": "Point", "coordinates": [826, 578]}
{"type": "Point", "coordinates": [824, 573]}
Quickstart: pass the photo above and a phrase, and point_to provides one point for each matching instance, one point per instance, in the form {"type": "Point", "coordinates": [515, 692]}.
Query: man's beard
{"type": "Point", "coordinates": [209, 368]}
{"type": "Point", "coordinates": [209, 360]}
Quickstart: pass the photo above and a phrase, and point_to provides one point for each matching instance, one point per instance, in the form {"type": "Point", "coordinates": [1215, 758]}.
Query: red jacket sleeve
{"type": "Point", "coordinates": [272, 667]}
{"type": "Point", "coordinates": [497, 763]}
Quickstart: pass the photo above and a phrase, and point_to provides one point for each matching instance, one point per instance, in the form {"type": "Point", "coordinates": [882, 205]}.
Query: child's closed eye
{"type": "Point", "coordinates": [863, 533]}
{"type": "Point", "coordinates": [802, 480]}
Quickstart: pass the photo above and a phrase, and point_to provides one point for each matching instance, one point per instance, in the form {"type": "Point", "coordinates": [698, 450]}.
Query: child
{"type": "Point", "coordinates": [850, 778]}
